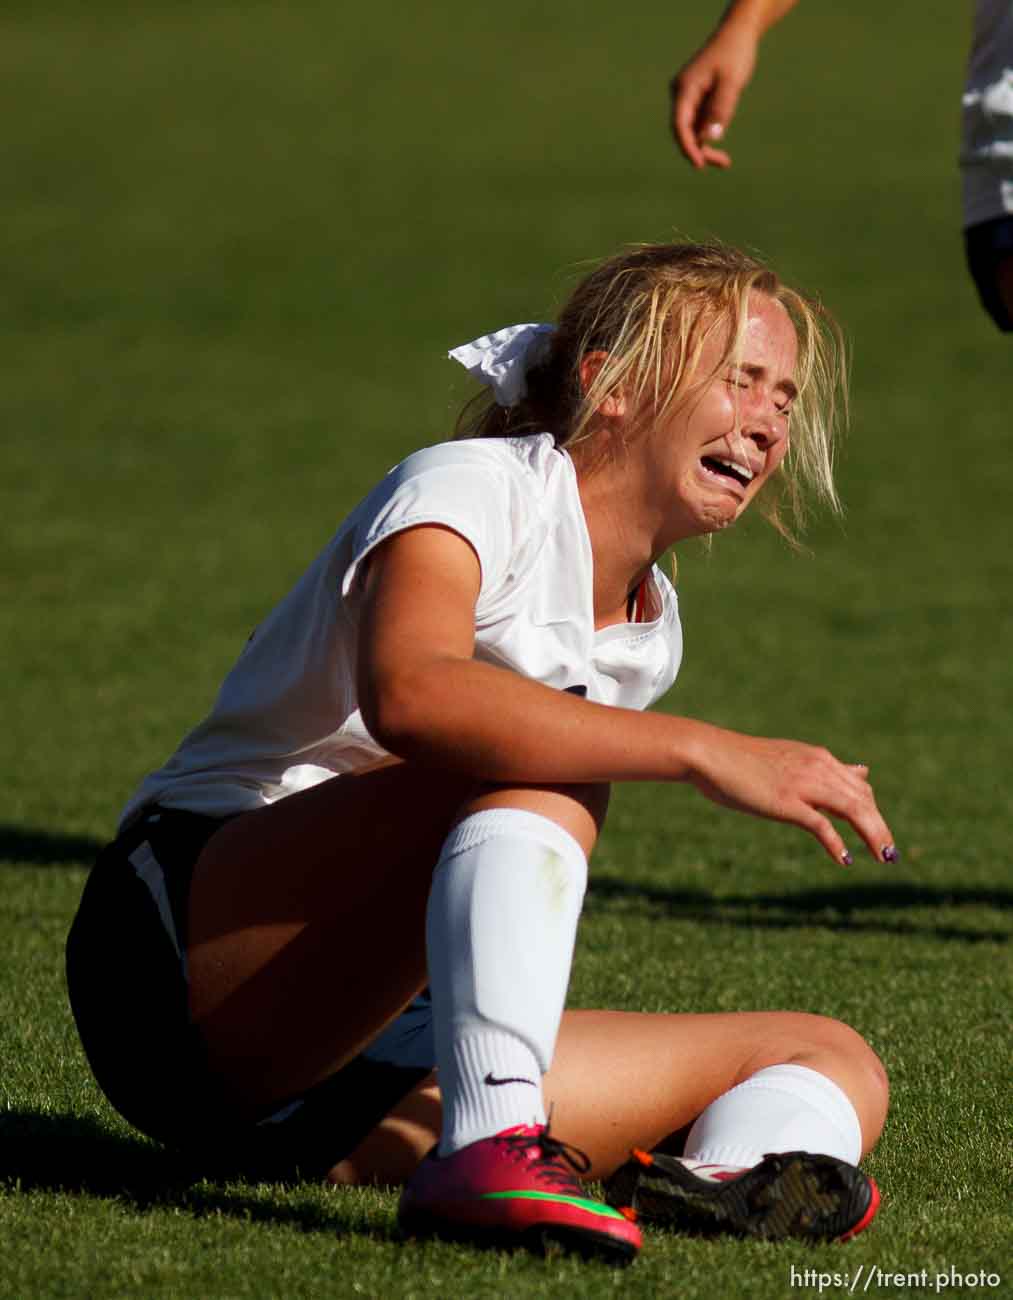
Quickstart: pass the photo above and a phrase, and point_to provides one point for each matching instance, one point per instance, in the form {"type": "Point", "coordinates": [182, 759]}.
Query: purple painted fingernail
{"type": "Point", "coordinates": [890, 854]}
{"type": "Point", "coordinates": [846, 858]}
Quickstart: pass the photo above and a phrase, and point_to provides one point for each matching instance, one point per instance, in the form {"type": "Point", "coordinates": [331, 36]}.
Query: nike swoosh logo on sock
{"type": "Point", "coordinates": [493, 1082]}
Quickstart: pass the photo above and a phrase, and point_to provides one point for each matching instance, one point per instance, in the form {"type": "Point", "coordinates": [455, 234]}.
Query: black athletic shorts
{"type": "Point", "coordinates": [126, 975]}
{"type": "Point", "coordinates": [987, 245]}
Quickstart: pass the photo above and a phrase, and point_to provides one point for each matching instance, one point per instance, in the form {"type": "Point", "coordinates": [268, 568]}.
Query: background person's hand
{"type": "Point", "coordinates": [705, 94]}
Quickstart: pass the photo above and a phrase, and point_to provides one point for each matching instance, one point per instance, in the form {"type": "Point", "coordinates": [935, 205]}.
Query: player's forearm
{"type": "Point", "coordinates": [494, 725]}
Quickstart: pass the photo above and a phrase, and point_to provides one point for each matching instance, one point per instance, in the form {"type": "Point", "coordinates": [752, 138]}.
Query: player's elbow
{"type": "Point", "coordinates": [400, 710]}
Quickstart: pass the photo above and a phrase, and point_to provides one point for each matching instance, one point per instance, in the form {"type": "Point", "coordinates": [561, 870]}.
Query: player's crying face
{"type": "Point", "coordinates": [713, 455]}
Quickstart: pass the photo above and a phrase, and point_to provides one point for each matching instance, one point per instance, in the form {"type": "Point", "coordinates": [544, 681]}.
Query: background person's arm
{"type": "Point", "coordinates": [705, 93]}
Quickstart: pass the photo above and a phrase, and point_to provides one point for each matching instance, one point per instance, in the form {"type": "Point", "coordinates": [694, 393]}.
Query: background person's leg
{"type": "Point", "coordinates": [989, 249]}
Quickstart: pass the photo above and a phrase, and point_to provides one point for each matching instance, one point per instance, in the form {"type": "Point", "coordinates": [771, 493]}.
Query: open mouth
{"type": "Point", "coordinates": [731, 469]}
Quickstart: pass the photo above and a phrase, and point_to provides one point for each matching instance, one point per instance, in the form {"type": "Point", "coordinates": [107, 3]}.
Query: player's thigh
{"type": "Point", "coordinates": [306, 924]}
{"type": "Point", "coordinates": [307, 918]}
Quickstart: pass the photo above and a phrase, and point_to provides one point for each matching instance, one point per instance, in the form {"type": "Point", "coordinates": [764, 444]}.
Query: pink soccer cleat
{"type": "Point", "coordinates": [518, 1188]}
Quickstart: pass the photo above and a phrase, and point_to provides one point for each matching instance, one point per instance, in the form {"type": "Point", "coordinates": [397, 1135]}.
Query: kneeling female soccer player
{"type": "Point", "coordinates": [337, 926]}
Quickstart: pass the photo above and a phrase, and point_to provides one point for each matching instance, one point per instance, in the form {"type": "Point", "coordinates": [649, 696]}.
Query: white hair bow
{"type": "Point", "coordinates": [502, 360]}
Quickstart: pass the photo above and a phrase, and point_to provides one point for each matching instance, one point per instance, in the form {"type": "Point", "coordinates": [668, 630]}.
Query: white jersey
{"type": "Point", "coordinates": [287, 715]}
{"type": "Point", "coordinates": [986, 155]}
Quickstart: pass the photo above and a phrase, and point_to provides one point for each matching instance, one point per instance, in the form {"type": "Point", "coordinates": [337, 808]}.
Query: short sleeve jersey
{"type": "Point", "coordinates": [287, 714]}
{"type": "Point", "coordinates": [986, 155]}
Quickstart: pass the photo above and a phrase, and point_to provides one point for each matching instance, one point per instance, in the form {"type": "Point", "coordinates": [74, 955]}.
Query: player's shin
{"type": "Point", "coordinates": [501, 924]}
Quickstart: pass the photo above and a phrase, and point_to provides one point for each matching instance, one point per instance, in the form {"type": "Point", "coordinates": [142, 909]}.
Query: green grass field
{"type": "Point", "coordinates": [237, 241]}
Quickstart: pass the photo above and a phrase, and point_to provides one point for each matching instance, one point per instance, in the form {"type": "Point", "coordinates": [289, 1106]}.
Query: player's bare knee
{"type": "Point", "coordinates": [836, 1050]}
{"type": "Point", "coordinates": [840, 1052]}
{"type": "Point", "coordinates": [877, 1096]}
{"type": "Point", "coordinates": [578, 809]}
{"type": "Point", "coordinates": [864, 1061]}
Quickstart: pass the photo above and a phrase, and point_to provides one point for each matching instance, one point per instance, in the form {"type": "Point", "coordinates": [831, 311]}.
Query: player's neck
{"type": "Point", "coordinates": [621, 541]}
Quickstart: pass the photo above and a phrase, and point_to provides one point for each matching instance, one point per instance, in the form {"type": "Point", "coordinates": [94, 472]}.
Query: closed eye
{"type": "Point", "coordinates": [745, 380]}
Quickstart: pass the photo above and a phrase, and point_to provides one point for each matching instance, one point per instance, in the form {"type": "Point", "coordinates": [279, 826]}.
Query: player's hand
{"type": "Point", "coordinates": [705, 94]}
{"type": "Point", "coordinates": [788, 781]}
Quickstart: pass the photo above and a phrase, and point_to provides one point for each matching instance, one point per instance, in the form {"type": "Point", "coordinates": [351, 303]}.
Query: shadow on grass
{"type": "Point", "coordinates": [38, 848]}
{"type": "Point", "coordinates": [68, 1153]}
{"type": "Point", "coordinates": [853, 908]}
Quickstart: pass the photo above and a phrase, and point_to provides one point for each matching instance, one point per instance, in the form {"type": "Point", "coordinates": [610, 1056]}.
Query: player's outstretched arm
{"type": "Point", "coordinates": [705, 92]}
{"type": "Point", "coordinates": [427, 699]}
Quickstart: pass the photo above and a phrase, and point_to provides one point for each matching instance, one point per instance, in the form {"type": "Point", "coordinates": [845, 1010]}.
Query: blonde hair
{"type": "Point", "coordinates": [652, 310]}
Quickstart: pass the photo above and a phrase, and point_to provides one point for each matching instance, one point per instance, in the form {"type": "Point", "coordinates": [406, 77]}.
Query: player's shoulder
{"type": "Point", "coordinates": [530, 459]}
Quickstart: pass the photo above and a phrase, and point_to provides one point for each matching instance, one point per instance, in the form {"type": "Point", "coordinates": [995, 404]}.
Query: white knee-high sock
{"type": "Point", "coordinates": [780, 1108]}
{"type": "Point", "coordinates": [500, 930]}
